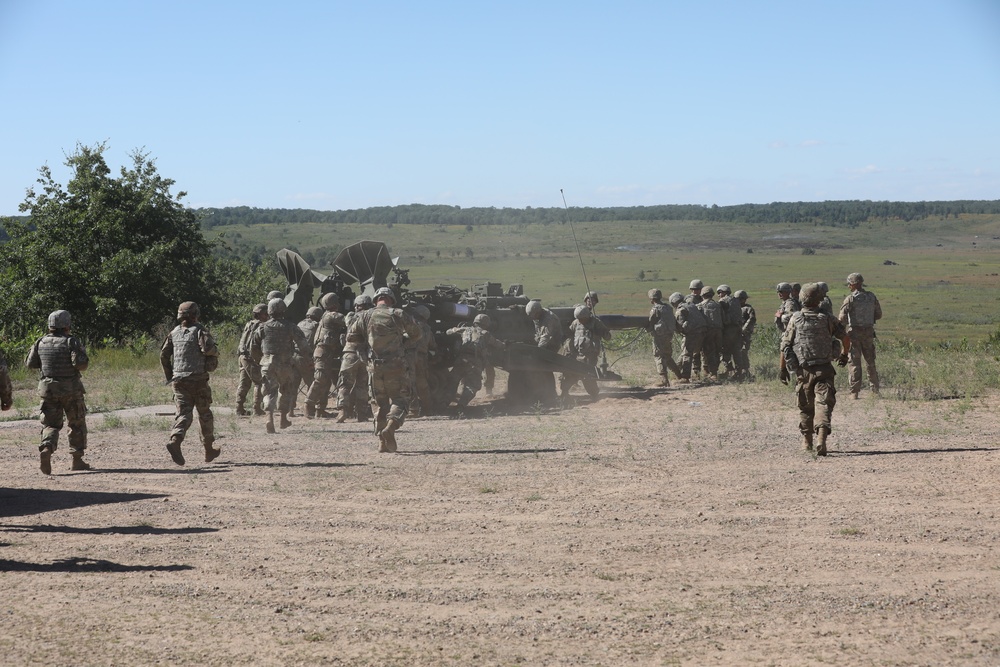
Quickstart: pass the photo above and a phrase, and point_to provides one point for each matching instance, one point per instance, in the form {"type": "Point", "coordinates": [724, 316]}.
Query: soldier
{"type": "Point", "coordinates": [475, 344]}
{"type": "Point", "coordinates": [732, 323]}
{"type": "Point", "coordinates": [662, 325]}
{"type": "Point", "coordinates": [249, 369]}
{"type": "Point", "coordinates": [352, 383]}
{"type": "Point", "coordinates": [188, 355]}
{"type": "Point", "coordinates": [590, 300]}
{"type": "Point", "coordinates": [6, 389]}
{"type": "Point", "coordinates": [60, 357]}
{"type": "Point", "coordinates": [426, 348]}
{"type": "Point", "coordinates": [586, 334]}
{"type": "Point", "coordinates": [806, 347]}
{"type": "Point", "coordinates": [788, 306]}
{"type": "Point", "coordinates": [380, 334]}
{"type": "Point", "coordinates": [695, 288]}
{"type": "Point", "coordinates": [304, 364]}
{"type": "Point", "coordinates": [859, 313]}
{"type": "Point", "coordinates": [326, 361]}
{"type": "Point", "coordinates": [548, 334]}
{"type": "Point", "coordinates": [746, 335]}
{"type": "Point", "coordinates": [273, 345]}
{"type": "Point", "coordinates": [692, 324]}
{"type": "Point", "coordinates": [712, 347]}
{"type": "Point", "coordinates": [825, 304]}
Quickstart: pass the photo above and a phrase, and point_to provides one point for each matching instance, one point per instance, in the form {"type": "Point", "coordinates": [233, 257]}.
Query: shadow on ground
{"type": "Point", "coordinates": [85, 565]}
{"type": "Point", "coordinates": [24, 502]}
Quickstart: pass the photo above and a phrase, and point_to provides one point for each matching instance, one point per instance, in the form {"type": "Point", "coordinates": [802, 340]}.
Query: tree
{"type": "Point", "coordinates": [119, 253]}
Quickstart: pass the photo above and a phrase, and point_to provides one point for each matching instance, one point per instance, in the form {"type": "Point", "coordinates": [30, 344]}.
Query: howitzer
{"type": "Point", "coordinates": [368, 265]}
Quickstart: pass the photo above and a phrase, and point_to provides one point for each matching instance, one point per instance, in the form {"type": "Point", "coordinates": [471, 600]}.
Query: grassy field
{"type": "Point", "coordinates": [941, 286]}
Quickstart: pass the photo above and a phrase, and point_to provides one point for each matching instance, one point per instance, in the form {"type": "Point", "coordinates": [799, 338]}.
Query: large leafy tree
{"type": "Point", "coordinates": [118, 253]}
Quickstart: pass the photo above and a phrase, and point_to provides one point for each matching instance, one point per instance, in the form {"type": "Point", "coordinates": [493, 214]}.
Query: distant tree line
{"type": "Point", "coordinates": [832, 213]}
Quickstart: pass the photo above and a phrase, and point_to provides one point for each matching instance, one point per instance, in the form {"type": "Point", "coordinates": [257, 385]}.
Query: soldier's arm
{"type": "Point", "coordinates": [301, 343]}
{"type": "Point", "coordinates": [256, 353]}
{"type": "Point", "coordinates": [209, 349]}
{"type": "Point", "coordinates": [845, 310]}
{"type": "Point", "coordinates": [33, 360]}
{"type": "Point", "coordinates": [78, 355]}
{"type": "Point", "coordinates": [838, 330]}
{"type": "Point", "coordinates": [167, 358]}
{"type": "Point", "coordinates": [878, 308]}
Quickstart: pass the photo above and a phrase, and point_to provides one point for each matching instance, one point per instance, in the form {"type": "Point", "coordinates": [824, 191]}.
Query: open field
{"type": "Point", "coordinates": [653, 527]}
{"type": "Point", "coordinates": [944, 285]}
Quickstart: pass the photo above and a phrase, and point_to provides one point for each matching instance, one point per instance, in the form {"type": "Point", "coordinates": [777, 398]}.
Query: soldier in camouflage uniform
{"type": "Point", "coordinates": [732, 322]}
{"type": "Point", "coordinates": [712, 346]}
{"type": "Point", "coordinates": [326, 361]}
{"type": "Point", "coordinates": [788, 306]}
{"type": "Point", "coordinates": [662, 326]}
{"type": "Point", "coordinates": [380, 334]}
{"type": "Point", "coordinates": [475, 344]}
{"type": "Point", "coordinates": [586, 334]}
{"type": "Point", "coordinates": [426, 348]}
{"type": "Point", "coordinates": [746, 336]}
{"type": "Point", "coordinates": [60, 357]}
{"type": "Point", "coordinates": [304, 364]}
{"type": "Point", "coordinates": [859, 313]}
{"type": "Point", "coordinates": [188, 355]}
{"type": "Point", "coordinates": [352, 383]}
{"type": "Point", "coordinates": [548, 334]}
{"type": "Point", "coordinates": [274, 345]}
{"type": "Point", "coordinates": [6, 388]}
{"type": "Point", "coordinates": [692, 325]}
{"type": "Point", "coordinates": [806, 347]}
{"type": "Point", "coordinates": [249, 370]}
{"type": "Point", "coordinates": [695, 291]}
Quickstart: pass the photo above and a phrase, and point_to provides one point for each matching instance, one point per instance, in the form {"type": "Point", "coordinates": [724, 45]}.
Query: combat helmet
{"type": "Point", "coordinates": [276, 308]}
{"type": "Point", "coordinates": [188, 310]}
{"type": "Point", "coordinates": [741, 294]}
{"type": "Point", "coordinates": [384, 293]}
{"type": "Point", "coordinates": [724, 289]}
{"type": "Point", "coordinates": [592, 295]}
{"type": "Point", "coordinates": [482, 320]}
{"type": "Point", "coordinates": [855, 279]}
{"type": "Point", "coordinates": [581, 312]}
{"type": "Point", "coordinates": [330, 320]}
{"type": "Point", "coordinates": [260, 309]}
{"type": "Point", "coordinates": [533, 308]}
{"type": "Point", "coordinates": [784, 287]}
{"type": "Point", "coordinates": [314, 313]}
{"type": "Point", "coordinates": [275, 294]}
{"type": "Point", "coordinates": [707, 292]}
{"type": "Point", "coordinates": [811, 295]}
{"type": "Point", "coordinates": [60, 319]}
{"type": "Point", "coordinates": [676, 298]}
{"type": "Point", "coordinates": [823, 288]}
{"type": "Point", "coordinates": [696, 284]}
{"type": "Point", "coordinates": [329, 301]}
{"type": "Point", "coordinates": [654, 294]}
{"type": "Point", "coordinates": [363, 300]}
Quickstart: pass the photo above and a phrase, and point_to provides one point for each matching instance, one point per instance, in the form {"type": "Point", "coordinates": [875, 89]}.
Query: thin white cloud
{"type": "Point", "coordinates": [777, 145]}
{"type": "Point", "coordinates": [810, 143]}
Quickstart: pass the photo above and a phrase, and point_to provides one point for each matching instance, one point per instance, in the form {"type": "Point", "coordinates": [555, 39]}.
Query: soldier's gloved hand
{"type": "Point", "coordinates": [784, 376]}
{"type": "Point", "coordinates": [842, 360]}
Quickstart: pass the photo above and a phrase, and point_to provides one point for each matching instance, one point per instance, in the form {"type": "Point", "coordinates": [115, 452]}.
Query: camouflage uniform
{"type": "Point", "coordinates": [249, 369]}
{"type": "Point", "coordinates": [712, 345]}
{"type": "Point", "coordinates": [326, 361]}
{"type": "Point", "coordinates": [548, 334]}
{"type": "Point", "coordinates": [732, 323]}
{"type": "Point", "coordinates": [663, 325]}
{"type": "Point", "coordinates": [303, 363]}
{"type": "Point", "coordinates": [274, 345]}
{"type": "Point", "coordinates": [187, 356]}
{"type": "Point", "coordinates": [380, 334]}
{"type": "Point", "coordinates": [6, 388]}
{"type": "Point", "coordinates": [789, 305]}
{"type": "Point", "coordinates": [425, 349]}
{"type": "Point", "coordinates": [475, 344]}
{"type": "Point", "coordinates": [584, 343]}
{"type": "Point", "coordinates": [746, 337]}
{"type": "Point", "coordinates": [352, 382]}
{"type": "Point", "coordinates": [692, 324]}
{"type": "Point", "coordinates": [60, 357]}
{"type": "Point", "coordinates": [860, 311]}
{"type": "Point", "coordinates": [806, 347]}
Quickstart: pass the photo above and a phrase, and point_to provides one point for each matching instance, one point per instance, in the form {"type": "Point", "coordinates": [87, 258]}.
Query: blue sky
{"type": "Point", "coordinates": [337, 105]}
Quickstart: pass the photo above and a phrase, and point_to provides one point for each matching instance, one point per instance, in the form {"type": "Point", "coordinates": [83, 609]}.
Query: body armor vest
{"type": "Point", "coordinates": [712, 312]}
{"type": "Point", "coordinates": [862, 311]}
{"type": "Point", "coordinates": [732, 315]}
{"type": "Point", "coordinates": [276, 339]}
{"type": "Point", "coordinates": [384, 330]}
{"type": "Point", "coordinates": [585, 340]}
{"type": "Point", "coordinates": [690, 319]}
{"type": "Point", "coordinates": [308, 327]}
{"type": "Point", "coordinates": [56, 356]}
{"type": "Point", "coordinates": [188, 357]}
{"type": "Point", "coordinates": [665, 324]}
{"type": "Point", "coordinates": [813, 343]}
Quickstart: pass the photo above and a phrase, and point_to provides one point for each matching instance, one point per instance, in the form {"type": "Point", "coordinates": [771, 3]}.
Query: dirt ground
{"type": "Point", "coordinates": [651, 527]}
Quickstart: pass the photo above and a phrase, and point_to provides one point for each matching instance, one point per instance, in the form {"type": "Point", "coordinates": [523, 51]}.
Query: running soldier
{"type": "Point", "coordinates": [326, 362]}
{"type": "Point", "coordinates": [380, 334]}
{"type": "Point", "coordinates": [249, 369]}
{"type": "Point", "coordinates": [475, 344]}
{"type": "Point", "coordinates": [586, 334]}
{"type": "Point", "coordinates": [60, 357]}
{"type": "Point", "coordinates": [273, 345]}
{"type": "Point", "coordinates": [692, 325]}
{"type": "Point", "coordinates": [662, 325]}
{"type": "Point", "coordinates": [188, 355]}
{"type": "Point", "coordinates": [352, 383]}
{"type": "Point", "coordinates": [806, 348]}
{"type": "Point", "coordinates": [860, 312]}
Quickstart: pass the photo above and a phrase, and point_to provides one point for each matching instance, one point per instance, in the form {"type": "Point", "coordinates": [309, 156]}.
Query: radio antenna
{"type": "Point", "coordinates": [579, 254]}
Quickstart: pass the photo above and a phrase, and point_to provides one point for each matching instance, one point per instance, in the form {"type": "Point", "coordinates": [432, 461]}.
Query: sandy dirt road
{"type": "Point", "coordinates": [652, 527]}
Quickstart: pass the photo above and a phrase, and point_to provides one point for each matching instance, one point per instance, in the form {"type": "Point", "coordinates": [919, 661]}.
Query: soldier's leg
{"type": "Point", "coordinates": [854, 369]}
{"type": "Point", "coordinates": [826, 399]}
{"type": "Point", "coordinates": [396, 384]}
{"type": "Point", "coordinates": [288, 387]}
{"type": "Point", "coordinates": [472, 382]}
{"type": "Point", "coordinates": [243, 387]}
{"type": "Point", "coordinates": [805, 399]}
{"type": "Point", "coordinates": [51, 416]}
{"type": "Point", "coordinates": [184, 401]}
{"type": "Point", "coordinates": [207, 421]}
{"type": "Point", "coordinates": [489, 378]}
{"type": "Point", "coordinates": [868, 351]}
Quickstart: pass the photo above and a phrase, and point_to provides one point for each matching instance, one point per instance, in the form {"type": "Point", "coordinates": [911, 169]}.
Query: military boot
{"type": "Point", "coordinates": [285, 422]}
{"type": "Point", "coordinates": [78, 462]}
{"type": "Point", "coordinates": [342, 417]}
{"type": "Point", "coordinates": [241, 411]}
{"type": "Point", "coordinates": [821, 440]}
{"type": "Point", "coordinates": [211, 453]}
{"type": "Point", "coordinates": [387, 436]}
{"type": "Point", "coordinates": [174, 448]}
{"type": "Point", "coordinates": [807, 441]}
{"type": "Point", "coordinates": [664, 381]}
{"type": "Point", "coordinates": [269, 425]}
{"type": "Point", "coordinates": [310, 411]}
{"type": "Point", "coordinates": [45, 458]}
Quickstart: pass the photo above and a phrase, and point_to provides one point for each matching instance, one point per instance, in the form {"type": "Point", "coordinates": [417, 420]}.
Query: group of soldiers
{"type": "Point", "coordinates": [383, 356]}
